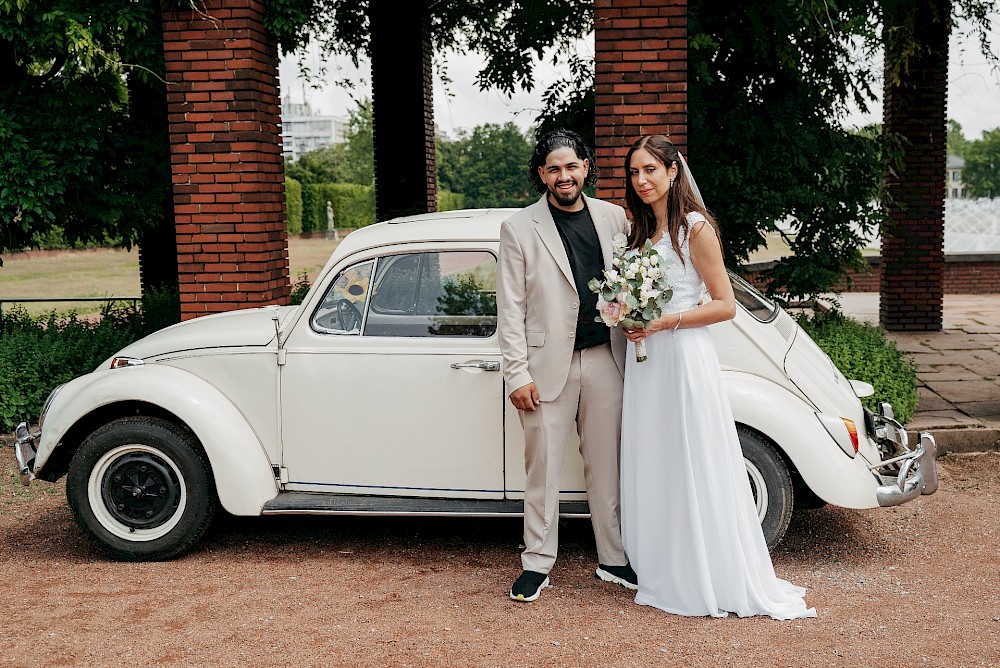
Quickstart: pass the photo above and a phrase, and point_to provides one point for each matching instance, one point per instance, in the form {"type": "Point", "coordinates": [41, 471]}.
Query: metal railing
{"type": "Point", "coordinates": [55, 300]}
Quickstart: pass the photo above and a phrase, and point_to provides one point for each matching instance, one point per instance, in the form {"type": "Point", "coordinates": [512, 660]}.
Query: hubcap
{"type": "Point", "coordinates": [137, 492]}
{"type": "Point", "coordinates": [140, 490]}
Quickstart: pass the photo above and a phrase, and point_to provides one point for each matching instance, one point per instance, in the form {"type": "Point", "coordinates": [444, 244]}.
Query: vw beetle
{"type": "Point", "coordinates": [382, 394]}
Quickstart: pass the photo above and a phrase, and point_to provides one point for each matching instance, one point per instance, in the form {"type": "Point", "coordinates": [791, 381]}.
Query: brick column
{"type": "Point", "coordinates": [640, 81]}
{"type": "Point", "coordinates": [228, 175]}
{"type": "Point", "coordinates": [912, 284]}
{"type": "Point", "coordinates": [403, 106]}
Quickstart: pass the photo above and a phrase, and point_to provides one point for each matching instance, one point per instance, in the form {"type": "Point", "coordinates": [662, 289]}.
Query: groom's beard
{"type": "Point", "coordinates": [566, 199]}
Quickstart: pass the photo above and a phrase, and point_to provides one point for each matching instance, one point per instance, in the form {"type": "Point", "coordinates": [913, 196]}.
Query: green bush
{"type": "Point", "coordinates": [353, 205]}
{"type": "Point", "coordinates": [863, 352]}
{"type": "Point", "coordinates": [293, 205]}
{"type": "Point", "coordinates": [300, 288]}
{"type": "Point", "coordinates": [161, 307]}
{"type": "Point", "coordinates": [449, 201]}
{"type": "Point", "coordinates": [41, 352]}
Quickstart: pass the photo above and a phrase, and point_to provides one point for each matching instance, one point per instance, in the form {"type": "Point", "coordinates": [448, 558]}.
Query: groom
{"type": "Point", "coordinates": [559, 369]}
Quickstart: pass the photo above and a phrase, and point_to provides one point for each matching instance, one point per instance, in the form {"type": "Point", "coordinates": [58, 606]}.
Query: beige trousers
{"type": "Point", "coordinates": [592, 402]}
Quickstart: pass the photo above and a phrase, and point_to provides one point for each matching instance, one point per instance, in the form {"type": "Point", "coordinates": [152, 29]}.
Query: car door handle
{"type": "Point", "coordinates": [477, 364]}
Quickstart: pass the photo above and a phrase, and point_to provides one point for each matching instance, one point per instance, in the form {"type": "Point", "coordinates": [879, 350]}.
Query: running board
{"type": "Point", "coordinates": [316, 503]}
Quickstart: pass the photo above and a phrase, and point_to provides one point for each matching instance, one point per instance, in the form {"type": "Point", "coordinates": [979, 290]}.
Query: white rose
{"type": "Point", "coordinates": [634, 267]}
{"type": "Point", "coordinates": [629, 274]}
{"type": "Point", "coordinates": [655, 260]}
{"type": "Point", "coordinates": [645, 261]}
{"type": "Point", "coordinates": [616, 261]}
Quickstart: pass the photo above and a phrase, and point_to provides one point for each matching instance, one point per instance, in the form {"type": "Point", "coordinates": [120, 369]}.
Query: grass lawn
{"type": "Point", "coordinates": [110, 272]}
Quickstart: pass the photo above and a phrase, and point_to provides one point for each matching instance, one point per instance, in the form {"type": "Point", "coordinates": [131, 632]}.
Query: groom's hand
{"type": "Point", "coordinates": [525, 398]}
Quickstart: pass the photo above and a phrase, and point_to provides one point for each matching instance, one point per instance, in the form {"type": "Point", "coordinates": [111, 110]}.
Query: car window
{"type": "Point", "coordinates": [434, 294]}
{"type": "Point", "coordinates": [753, 301]}
{"type": "Point", "coordinates": [344, 304]}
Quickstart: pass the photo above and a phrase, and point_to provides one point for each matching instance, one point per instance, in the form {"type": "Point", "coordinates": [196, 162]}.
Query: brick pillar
{"type": "Point", "coordinates": [640, 81]}
{"type": "Point", "coordinates": [912, 283]}
{"type": "Point", "coordinates": [403, 110]}
{"type": "Point", "coordinates": [228, 176]}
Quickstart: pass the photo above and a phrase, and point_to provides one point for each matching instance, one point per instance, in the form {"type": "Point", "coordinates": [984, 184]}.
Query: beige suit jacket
{"type": "Point", "coordinates": [537, 301]}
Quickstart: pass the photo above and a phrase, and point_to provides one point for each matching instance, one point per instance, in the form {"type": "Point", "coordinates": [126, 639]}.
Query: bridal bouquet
{"type": "Point", "coordinates": [635, 291]}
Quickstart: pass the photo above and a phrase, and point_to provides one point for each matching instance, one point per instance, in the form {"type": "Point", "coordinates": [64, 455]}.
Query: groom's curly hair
{"type": "Point", "coordinates": [551, 141]}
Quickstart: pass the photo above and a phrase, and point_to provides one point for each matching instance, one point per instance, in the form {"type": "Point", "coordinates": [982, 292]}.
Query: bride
{"type": "Point", "coordinates": [689, 522]}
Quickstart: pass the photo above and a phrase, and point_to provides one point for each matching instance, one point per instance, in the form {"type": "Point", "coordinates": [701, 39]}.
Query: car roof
{"type": "Point", "coordinates": [459, 225]}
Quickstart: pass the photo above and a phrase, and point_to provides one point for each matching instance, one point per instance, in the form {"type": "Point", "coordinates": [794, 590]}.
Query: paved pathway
{"type": "Point", "coordinates": [958, 369]}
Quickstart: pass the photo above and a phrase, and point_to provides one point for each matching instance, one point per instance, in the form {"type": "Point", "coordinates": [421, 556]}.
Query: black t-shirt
{"type": "Point", "coordinates": [583, 248]}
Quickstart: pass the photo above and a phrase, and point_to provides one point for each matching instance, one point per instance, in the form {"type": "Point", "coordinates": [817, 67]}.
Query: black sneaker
{"type": "Point", "coordinates": [623, 575]}
{"type": "Point", "coordinates": [528, 587]}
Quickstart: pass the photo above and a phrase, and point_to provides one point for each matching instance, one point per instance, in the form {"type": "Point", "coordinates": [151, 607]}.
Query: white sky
{"type": "Point", "coordinates": [973, 90]}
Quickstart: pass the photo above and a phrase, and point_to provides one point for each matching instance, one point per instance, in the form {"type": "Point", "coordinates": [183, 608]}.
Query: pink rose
{"type": "Point", "coordinates": [611, 312]}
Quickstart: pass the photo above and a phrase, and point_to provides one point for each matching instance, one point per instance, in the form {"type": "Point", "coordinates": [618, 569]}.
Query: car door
{"type": "Point", "coordinates": [391, 382]}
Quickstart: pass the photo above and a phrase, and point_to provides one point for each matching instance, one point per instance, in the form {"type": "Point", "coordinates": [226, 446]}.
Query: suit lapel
{"type": "Point", "coordinates": [605, 231]}
{"type": "Point", "coordinates": [546, 228]}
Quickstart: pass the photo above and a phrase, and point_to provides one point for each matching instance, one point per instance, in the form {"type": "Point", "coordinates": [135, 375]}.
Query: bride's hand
{"type": "Point", "coordinates": [636, 334]}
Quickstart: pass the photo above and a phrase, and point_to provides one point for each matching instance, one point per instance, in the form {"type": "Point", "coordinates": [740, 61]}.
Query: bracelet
{"type": "Point", "coordinates": [680, 316]}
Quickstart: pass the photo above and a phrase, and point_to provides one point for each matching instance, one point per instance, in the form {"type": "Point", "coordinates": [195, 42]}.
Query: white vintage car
{"type": "Point", "coordinates": [382, 394]}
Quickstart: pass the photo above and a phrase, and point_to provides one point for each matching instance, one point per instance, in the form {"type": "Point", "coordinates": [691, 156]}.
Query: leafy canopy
{"type": "Point", "coordinates": [981, 175]}
{"type": "Point", "coordinates": [72, 154]}
{"type": "Point", "coordinates": [768, 84]}
{"type": "Point", "coordinates": [510, 35]}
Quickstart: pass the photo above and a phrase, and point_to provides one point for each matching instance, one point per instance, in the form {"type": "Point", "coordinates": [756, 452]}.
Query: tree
{"type": "Point", "coordinates": [982, 165]}
{"type": "Point", "coordinates": [764, 138]}
{"type": "Point", "coordinates": [349, 162]}
{"type": "Point", "coordinates": [76, 149]}
{"type": "Point", "coordinates": [489, 166]}
{"type": "Point", "coordinates": [956, 140]}
{"type": "Point", "coordinates": [358, 152]}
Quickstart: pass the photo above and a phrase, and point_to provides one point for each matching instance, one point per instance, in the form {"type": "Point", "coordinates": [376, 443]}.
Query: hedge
{"type": "Point", "coordinates": [37, 353]}
{"type": "Point", "coordinates": [449, 201]}
{"type": "Point", "coordinates": [353, 205]}
{"type": "Point", "coordinates": [293, 205]}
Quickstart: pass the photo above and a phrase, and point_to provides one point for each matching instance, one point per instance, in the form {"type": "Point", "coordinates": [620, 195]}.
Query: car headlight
{"type": "Point", "coordinates": [48, 402]}
{"type": "Point", "coordinates": [122, 362]}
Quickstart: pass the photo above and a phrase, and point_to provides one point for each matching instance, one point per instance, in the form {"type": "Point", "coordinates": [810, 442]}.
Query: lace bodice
{"type": "Point", "coordinates": [684, 279]}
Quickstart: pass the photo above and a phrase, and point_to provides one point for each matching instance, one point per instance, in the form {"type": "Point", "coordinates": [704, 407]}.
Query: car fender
{"type": "Point", "coordinates": [244, 479]}
{"type": "Point", "coordinates": [792, 425]}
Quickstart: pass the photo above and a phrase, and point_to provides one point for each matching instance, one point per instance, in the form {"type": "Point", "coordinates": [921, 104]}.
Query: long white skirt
{"type": "Point", "coordinates": [689, 522]}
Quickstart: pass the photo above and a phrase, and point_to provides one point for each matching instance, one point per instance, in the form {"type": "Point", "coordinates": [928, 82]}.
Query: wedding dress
{"type": "Point", "coordinates": [688, 518]}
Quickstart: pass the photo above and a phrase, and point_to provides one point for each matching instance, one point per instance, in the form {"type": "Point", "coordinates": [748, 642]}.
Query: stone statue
{"type": "Point", "coordinates": [331, 231]}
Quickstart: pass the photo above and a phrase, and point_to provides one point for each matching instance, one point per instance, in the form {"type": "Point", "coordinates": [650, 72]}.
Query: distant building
{"type": "Point", "coordinates": [303, 130]}
{"type": "Point", "coordinates": [954, 188]}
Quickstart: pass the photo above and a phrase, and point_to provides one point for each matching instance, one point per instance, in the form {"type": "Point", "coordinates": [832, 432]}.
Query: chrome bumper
{"type": "Point", "coordinates": [24, 452]}
{"type": "Point", "coordinates": [917, 474]}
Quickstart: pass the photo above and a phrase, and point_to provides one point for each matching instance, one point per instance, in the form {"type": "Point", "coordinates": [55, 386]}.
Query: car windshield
{"type": "Point", "coordinates": [753, 301]}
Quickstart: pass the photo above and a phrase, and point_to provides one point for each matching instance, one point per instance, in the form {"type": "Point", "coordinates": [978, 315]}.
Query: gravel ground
{"type": "Point", "coordinates": [910, 586]}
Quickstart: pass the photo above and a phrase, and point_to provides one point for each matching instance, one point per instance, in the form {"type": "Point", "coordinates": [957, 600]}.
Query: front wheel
{"type": "Point", "coordinates": [142, 489]}
{"type": "Point", "coordinates": [771, 484]}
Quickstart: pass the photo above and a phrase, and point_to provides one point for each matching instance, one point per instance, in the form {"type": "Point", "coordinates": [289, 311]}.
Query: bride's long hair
{"type": "Point", "coordinates": [681, 198]}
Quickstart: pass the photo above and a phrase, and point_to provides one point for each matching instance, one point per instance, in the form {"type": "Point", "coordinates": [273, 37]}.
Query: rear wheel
{"type": "Point", "coordinates": [142, 489]}
{"type": "Point", "coordinates": [771, 484]}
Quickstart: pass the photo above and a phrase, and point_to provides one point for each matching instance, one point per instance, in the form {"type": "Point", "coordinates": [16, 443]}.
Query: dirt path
{"type": "Point", "coordinates": [912, 586]}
